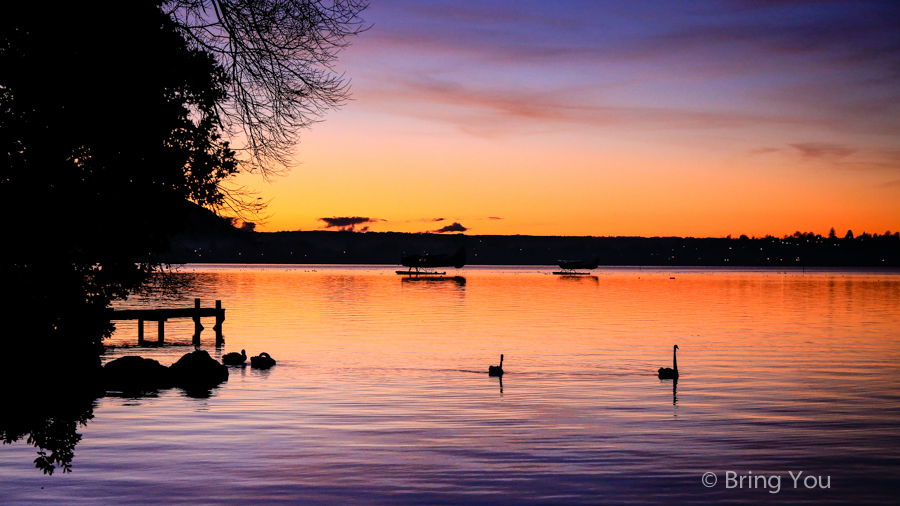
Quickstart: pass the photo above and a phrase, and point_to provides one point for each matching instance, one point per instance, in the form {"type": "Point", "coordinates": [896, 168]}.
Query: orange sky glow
{"type": "Point", "coordinates": [457, 118]}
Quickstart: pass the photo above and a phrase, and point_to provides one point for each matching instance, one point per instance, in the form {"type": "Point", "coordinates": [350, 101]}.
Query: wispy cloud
{"type": "Point", "coordinates": [764, 151]}
{"type": "Point", "coordinates": [586, 32]}
{"type": "Point", "coordinates": [486, 111]}
{"type": "Point", "coordinates": [846, 157]}
{"type": "Point", "coordinates": [823, 150]}
{"type": "Point", "coordinates": [494, 67]}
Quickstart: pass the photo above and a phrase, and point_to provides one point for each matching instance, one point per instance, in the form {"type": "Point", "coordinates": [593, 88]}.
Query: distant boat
{"type": "Point", "coordinates": [570, 266]}
{"type": "Point", "coordinates": [420, 262]}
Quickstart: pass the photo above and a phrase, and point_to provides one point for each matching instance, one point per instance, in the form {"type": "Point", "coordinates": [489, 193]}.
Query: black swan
{"type": "Point", "coordinates": [262, 361]}
{"type": "Point", "coordinates": [234, 358]}
{"type": "Point", "coordinates": [667, 373]}
{"type": "Point", "coordinates": [496, 370]}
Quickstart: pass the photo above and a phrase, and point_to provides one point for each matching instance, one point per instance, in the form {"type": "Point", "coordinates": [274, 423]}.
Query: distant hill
{"type": "Point", "coordinates": [210, 239]}
{"type": "Point", "coordinates": [204, 231]}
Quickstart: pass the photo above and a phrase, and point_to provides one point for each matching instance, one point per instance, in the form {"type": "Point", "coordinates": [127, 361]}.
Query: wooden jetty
{"type": "Point", "coordinates": [161, 315]}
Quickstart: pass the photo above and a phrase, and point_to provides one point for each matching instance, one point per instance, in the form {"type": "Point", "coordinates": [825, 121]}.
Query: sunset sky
{"type": "Point", "coordinates": [700, 118]}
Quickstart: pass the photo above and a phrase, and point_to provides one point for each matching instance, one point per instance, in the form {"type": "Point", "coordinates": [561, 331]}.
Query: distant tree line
{"type": "Point", "coordinates": [210, 243]}
{"type": "Point", "coordinates": [831, 235]}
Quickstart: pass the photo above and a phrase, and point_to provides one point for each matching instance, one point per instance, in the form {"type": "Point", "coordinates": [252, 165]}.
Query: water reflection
{"type": "Point", "coordinates": [136, 396]}
{"type": "Point", "coordinates": [48, 416]}
{"type": "Point", "coordinates": [347, 289]}
{"type": "Point", "coordinates": [174, 285]}
{"type": "Point", "coordinates": [459, 281]}
{"type": "Point", "coordinates": [198, 392]}
{"type": "Point", "coordinates": [49, 424]}
{"type": "Point", "coordinates": [578, 278]}
{"type": "Point", "coordinates": [381, 396]}
{"type": "Point", "coordinates": [260, 373]}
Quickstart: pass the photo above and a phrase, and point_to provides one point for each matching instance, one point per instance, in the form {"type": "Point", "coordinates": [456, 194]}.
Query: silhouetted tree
{"type": "Point", "coordinates": [832, 234]}
{"type": "Point", "coordinates": [278, 57]}
{"type": "Point", "coordinates": [849, 234]}
{"type": "Point", "coordinates": [107, 129]}
{"type": "Point", "coordinates": [114, 115]}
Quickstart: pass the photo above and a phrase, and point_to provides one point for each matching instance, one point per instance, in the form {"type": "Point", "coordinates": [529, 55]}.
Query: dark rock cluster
{"type": "Point", "coordinates": [194, 371]}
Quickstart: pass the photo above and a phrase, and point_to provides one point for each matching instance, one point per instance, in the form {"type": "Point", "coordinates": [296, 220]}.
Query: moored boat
{"type": "Point", "coordinates": [426, 261]}
{"type": "Point", "coordinates": [570, 267]}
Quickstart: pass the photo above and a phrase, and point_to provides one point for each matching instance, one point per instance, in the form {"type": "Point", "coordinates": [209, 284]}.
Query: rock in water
{"type": "Point", "coordinates": [135, 374]}
{"type": "Point", "coordinates": [197, 370]}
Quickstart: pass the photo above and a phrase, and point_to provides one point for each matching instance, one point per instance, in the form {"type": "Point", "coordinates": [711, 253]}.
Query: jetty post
{"type": "Point", "coordinates": [161, 336]}
{"type": "Point", "coordinates": [140, 332]}
{"type": "Point", "coordinates": [220, 317]}
{"type": "Point", "coordinates": [198, 328]}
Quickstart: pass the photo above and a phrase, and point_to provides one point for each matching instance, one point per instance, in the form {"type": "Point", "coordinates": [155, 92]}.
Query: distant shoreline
{"type": "Point", "coordinates": [649, 269]}
{"type": "Point", "coordinates": [210, 239]}
{"type": "Point", "coordinates": [229, 245]}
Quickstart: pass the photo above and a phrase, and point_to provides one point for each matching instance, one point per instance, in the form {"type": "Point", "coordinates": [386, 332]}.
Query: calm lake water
{"type": "Point", "coordinates": [381, 393]}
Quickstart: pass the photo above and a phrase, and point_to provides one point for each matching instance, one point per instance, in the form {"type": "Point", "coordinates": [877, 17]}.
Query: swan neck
{"type": "Point", "coordinates": [675, 359]}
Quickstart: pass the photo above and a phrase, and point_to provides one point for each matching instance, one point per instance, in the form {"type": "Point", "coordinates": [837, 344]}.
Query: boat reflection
{"type": "Point", "coordinates": [425, 280]}
{"type": "Point", "coordinates": [579, 278]}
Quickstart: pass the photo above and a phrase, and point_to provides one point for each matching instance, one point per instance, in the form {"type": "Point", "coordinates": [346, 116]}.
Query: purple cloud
{"type": "Point", "coordinates": [825, 150]}
{"type": "Point", "coordinates": [501, 66]}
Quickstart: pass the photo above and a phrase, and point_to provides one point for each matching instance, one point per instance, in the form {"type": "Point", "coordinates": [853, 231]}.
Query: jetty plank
{"type": "Point", "coordinates": [161, 315]}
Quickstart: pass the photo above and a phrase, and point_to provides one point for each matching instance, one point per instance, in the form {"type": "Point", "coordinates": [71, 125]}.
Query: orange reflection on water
{"type": "Point", "coordinates": [381, 383]}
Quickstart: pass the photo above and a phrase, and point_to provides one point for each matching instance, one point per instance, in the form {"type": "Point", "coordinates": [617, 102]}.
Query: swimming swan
{"type": "Point", "coordinates": [496, 370]}
{"type": "Point", "coordinates": [667, 373]}
{"type": "Point", "coordinates": [262, 361]}
{"type": "Point", "coordinates": [234, 358]}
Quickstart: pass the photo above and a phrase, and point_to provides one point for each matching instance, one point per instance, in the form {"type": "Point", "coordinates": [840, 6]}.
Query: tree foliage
{"type": "Point", "coordinates": [114, 115]}
{"type": "Point", "coordinates": [106, 130]}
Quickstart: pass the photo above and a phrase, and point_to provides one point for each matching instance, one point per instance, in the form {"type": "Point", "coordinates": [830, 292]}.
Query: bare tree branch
{"type": "Point", "coordinates": [278, 56]}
